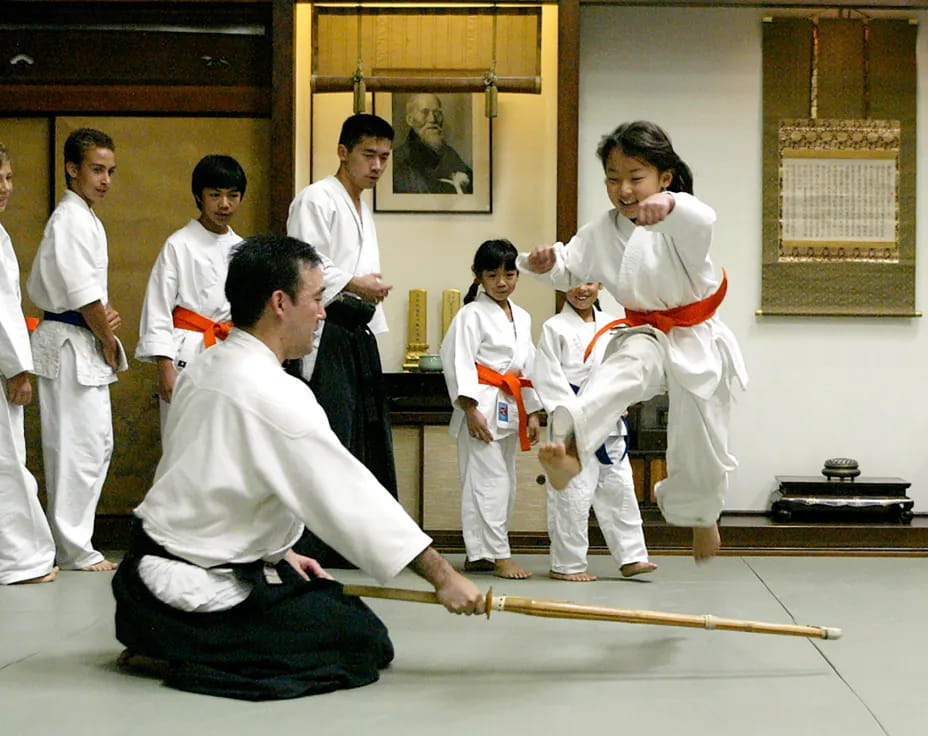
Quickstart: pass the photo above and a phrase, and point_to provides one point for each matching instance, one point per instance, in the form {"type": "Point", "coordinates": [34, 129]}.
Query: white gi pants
{"type": "Point", "coordinates": [698, 460]}
{"type": "Point", "coordinates": [77, 442]}
{"type": "Point", "coordinates": [26, 546]}
{"type": "Point", "coordinates": [610, 490]}
{"type": "Point", "coordinates": [488, 494]}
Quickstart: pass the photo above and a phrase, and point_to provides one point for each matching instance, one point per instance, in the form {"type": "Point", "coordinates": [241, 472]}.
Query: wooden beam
{"type": "Point", "coordinates": [64, 99]}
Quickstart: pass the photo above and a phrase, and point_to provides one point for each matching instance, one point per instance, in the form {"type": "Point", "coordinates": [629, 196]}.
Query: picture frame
{"type": "Point", "coordinates": [456, 180]}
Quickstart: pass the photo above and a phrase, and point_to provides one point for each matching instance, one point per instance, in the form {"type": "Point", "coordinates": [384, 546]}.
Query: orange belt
{"type": "Point", "coordinates": [665, 319]}
{"type": "Point", "coordinates": [32, 323]}
{"type": "Point", "coordinates": [512, 385]}
{"type": "Point", "coordinates": [185, 319]}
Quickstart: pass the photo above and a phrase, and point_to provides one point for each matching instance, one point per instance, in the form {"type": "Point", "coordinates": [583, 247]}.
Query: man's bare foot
{"type": "Point", "coordinates": [572, 577]}
{"type": "Point", "coordinates": [142, 664]}
{"type": "Point", "coordinates": [101, 566]}
{"type": "Point", "coordinates": [46, 578]}
{"type": "Point", "coordinates": [706, 542]}
{"type": "Point", "coordinates": [479, 565]}
{"type": "Point", "coordinates": [560, 463]}
{"type": "Point", "coordinates": [630, 569]}
{"type": "Point", "coordinates": [509, 569]}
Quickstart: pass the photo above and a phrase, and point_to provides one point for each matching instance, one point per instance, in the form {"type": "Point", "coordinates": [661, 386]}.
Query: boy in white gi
{"type": "Point", "coordinates": [486, 353]}
{"type": "Point", "coordinates": [211, 582]}
{"type": "Point", "coordinates": [27, 551]}
{"type": "Point", "coordinates": [185, 309]}
{"type": "Point", "coordinates": [75, 350]}
{"type": "Point", "coordinates": [651, 251]}
{"type": "Point", "coordinates": [606, 484]}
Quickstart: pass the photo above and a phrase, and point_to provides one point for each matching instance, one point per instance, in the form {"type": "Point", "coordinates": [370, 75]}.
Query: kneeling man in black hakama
{"type": "Point", "coordinates": [210, 585]}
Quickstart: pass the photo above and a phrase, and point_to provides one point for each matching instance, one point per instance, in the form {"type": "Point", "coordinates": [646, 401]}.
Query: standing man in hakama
{"type": "Point", "coordinates": [27, 551]}
{"type": "Point", "coordinates": [344, 370]}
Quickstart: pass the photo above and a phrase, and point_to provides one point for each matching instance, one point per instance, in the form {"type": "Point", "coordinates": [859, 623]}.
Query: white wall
{"type": "Point", "coordinates": [820, 387]}
{"type": "Point", "coordinates": [434, 251]}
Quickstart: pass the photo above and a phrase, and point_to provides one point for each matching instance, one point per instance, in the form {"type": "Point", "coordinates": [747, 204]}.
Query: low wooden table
{"type": "Point", "coordinates": [861, 498]}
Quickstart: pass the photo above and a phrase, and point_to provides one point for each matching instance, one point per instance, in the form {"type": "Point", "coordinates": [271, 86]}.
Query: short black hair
{"type": "Point", "coordinates": [361, 126]}
{"type": "Point", "coordinates": [216, 171]}
{"type": "Point", "coordinates": [79, 142]}
{"type": "Point", "coordinates": [259, 266]}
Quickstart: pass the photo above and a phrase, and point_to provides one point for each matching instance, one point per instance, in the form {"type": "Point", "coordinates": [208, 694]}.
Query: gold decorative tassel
{"type": "Point", "coordinates": [492, 104]}
{"type": "Point", "coordinates": [360, 91]}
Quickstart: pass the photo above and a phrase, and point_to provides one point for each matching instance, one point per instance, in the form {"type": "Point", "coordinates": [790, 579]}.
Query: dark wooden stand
{"type": "Point", "coordinates": [860, 499]}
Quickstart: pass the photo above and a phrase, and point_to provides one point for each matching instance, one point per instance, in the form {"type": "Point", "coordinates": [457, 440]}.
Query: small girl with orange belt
{"type": "Point", "coordinates": [486, 355]}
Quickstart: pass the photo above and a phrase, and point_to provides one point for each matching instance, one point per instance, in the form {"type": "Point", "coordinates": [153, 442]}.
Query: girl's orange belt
{"type": "Point", "coordinates": [665, 319]}
{"type": "Point", "coordinates": [186, 319]}
{"type": "Point", "coordinates": [512, 385]}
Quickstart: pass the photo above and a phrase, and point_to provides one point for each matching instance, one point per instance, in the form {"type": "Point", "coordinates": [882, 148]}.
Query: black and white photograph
{"type": "Point", "coordinates": [441, 153]}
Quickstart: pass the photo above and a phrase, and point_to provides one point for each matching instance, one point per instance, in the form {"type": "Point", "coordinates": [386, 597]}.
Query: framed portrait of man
{"type": "Point", "coordinates": [441, 159]}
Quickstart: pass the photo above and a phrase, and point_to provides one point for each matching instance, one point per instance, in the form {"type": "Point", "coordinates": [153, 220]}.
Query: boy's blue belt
{"type": "Point", "coordinates": [71, 317]}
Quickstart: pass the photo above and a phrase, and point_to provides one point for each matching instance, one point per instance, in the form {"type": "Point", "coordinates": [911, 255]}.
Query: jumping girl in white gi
{"type": "Point", "coordinates": [605, 483]}
{"type": "Point", "coordinates": [185, 308]}
{"type": "Point", "coordinates": [652, 254]}
{"type": "Point", "coordinates": [485, 354]}
{"type": "Point", "coordinates": [27, 551]}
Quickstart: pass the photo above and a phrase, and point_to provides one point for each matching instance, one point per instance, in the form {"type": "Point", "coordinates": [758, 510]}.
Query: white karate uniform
{"type": "Point", "coordinates": [26, 546]}
{"type": "Point", "coordinates": [324, 215]}
{"type": "Point", "coordinates": [249, 457]}
{"type": "Point", "coordinates": [482, 333]}
{"type": "Point", "coordinates": [190, 272]}
{"type": "Point", "coordinates": [69, 272]}
{"type": "Point", "coordinates": [658, 267]}
{"type": "Point", "coordinates": [609, 489]}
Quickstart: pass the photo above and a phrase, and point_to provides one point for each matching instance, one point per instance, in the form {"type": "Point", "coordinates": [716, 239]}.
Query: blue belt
{"type": "Point", "coordinates": [601, 453]}
{"type": "Point", "coordinates": [71, 317]}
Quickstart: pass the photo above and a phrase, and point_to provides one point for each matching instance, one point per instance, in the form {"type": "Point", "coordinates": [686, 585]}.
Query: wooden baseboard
{"type": "Point", "coordinates": [743, 533]}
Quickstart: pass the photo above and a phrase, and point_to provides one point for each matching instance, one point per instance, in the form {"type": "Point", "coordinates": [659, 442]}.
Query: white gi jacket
{"type": "Point", "coordinates": [559, 358]}
{"type": "Point", "coordinates": [249, 456]}
{"type": "Point", "coordinates": [482, 333]}
{"type": "Point", "coordinates": [658, 267]}
{"type": "Point", "coordinates": [69, 272]}
{"type": "Point", "coordinates": [190, 272]}
{"type": "Point", "coordinates": [15, 353]}
{"type": "Point", "coordinates": [323, 214]}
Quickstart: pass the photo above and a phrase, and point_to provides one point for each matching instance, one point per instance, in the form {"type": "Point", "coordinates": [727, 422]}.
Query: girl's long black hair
{"type": "Point", "coordinates": [649, 142]}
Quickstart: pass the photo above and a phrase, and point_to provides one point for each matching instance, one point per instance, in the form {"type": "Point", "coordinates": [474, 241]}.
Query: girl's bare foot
{"type": "Point", "coordinates": [630, 569]}
{"type": "Point", "coordinates": [559, 462]}
{"type": "Point", "coordinates": [479, 566]}
{"type": "Point", "coordinates": [46, 578]}
{"type": "Point", "coordinates": [572, 577]}
{"type": "Point", "coordinates": [706, 542]}
{"type": "Point", "coordinates": [101, 566]}
{"type": "Point", "coordinates": [509, 569]}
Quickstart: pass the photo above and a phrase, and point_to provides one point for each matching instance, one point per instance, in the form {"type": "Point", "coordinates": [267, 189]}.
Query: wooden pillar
{"type": "Point", "coordinates": [568, 91]}
{"type": "Point", "coordinates": [282, 109]}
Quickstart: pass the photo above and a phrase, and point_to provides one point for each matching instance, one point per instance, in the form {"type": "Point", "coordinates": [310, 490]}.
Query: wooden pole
{"type": "Point", "coordinates": [565, 609]}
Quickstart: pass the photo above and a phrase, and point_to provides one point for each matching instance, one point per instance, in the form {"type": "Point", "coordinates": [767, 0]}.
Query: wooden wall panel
{"type": "Point", "coordinates": [149, 199]}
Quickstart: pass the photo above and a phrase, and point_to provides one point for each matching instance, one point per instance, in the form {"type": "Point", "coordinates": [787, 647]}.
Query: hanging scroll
{"type": "Point", "coordinates": [839, 159]}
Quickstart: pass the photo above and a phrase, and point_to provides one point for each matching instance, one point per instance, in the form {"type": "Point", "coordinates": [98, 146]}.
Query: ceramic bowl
{"type": "Point", "coordinates": [430, 362]}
